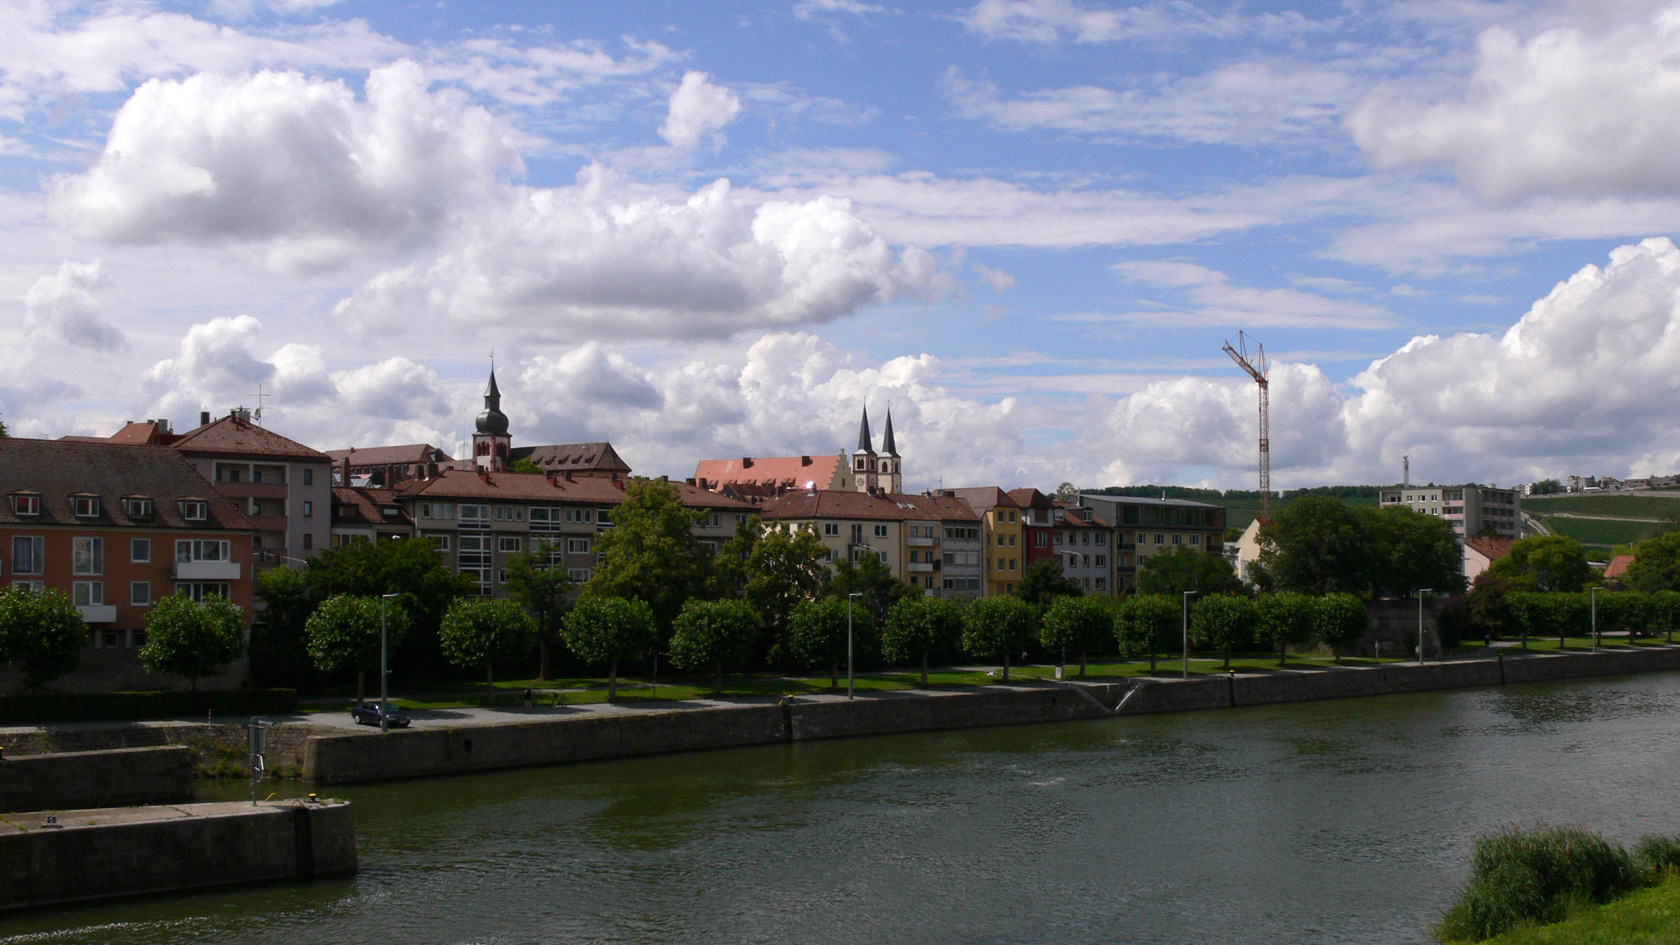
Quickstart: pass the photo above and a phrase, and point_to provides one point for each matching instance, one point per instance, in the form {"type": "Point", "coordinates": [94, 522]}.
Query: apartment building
{"type": "Point", "coordinates": [115, 528]}
{"type": "Point", "coordinates": [1144, 527]}
{"type": "Point", "coordinates": [1084, 542]}
{"type": "Point", "coordinates": [1003, 533]}
{"type": "Point", "coordinates": [366, 514]}
{"type": "Point", "coordinates": [932, 542]}
{"type": "Point", "coordinates": [1473, 511]}
{"type": "Point", "coordinates": [384, 466]}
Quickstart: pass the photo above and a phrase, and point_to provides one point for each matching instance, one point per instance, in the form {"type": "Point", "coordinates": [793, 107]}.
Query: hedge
{"type": "Point", "coordinates": [112, 706]}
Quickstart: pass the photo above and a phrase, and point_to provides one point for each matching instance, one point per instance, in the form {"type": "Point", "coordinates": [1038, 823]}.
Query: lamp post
{"type": "Point", "coordinates": [384, 697]}
{"type": "Point", "coordinates": [1184, 668]}
{"type": "Point", "coordinates": [1420, 592]}
{"type": "Point", "coordinates": [1594, 597]}
{"type": "Point", "coordinates": [849, 598]}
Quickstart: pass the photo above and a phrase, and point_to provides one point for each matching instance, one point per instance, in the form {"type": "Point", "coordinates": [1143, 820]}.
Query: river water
{"type": "Point", "coordinates": [1329, 822]}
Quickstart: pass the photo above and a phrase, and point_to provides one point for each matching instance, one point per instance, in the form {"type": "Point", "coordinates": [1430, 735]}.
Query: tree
{"type": "Point", "coordinates": [1656, 564]}
{"type": "Point", "coordinates": [279, 647]}
{"type": "Point", "coordinates": [1342, 620]}
{"type": "Point", "coordinates": [41, 634]}
{"type": "Point", "coordinates": [1557, 613]}
{"type": "Point", "coordinates": [998, 626]}
{"type": "Point", "coordinates": [411, 567]}
{"type": "Point", "coordinates": [539, 582]}
{"type": "Point", "coordinates": [526, 467]}
{"type": "Point", "coordinates": [818, 633]}
{"type": "Point", "coordinates": [1409, 550]}
{"type": "Point", "coordinates": [1186, 569]}
{"type": "Point", "coordinates": [918, 626]}
{"type": "Point", "coordinates": [1080, 624]}
{"type": "Point", "coordinates": [650, 553]}
{"type": "Point", "coordinates": [1148, 623]}
{"type": "Point", "coordinates": [783, 570]}
{"type": "Point", "coordinates": [1665, 612]}
{"type": "Point", "coordinates": [192, 638]}
{"type": "Point", "coordinates": [1487, 608]}
{"type": "Point", "coordinates": [1623, 612]}
{"type": "Point", "coordinates": [610, 629]}
{"type": "Point", "coordinates": [1067, 492]}
{"type": "Point", "coordinates": [1545, 563]}
{"type": "Point", "coordinates": [1225, 622]}
{"type": "Point", "coordinates": [728, 580]}
{"type": "Point", "coordinates": [713, 634]}
{"type": "Point", "coordinates": [343, 635]}
{"type": "Point", "coordinates": [1044, 582]}
{"type": "Point", "coordinates": [1316, 545]}
{"type": "Point", "coordinates": [3, 433]}
{"type": "Point", "coordinates": [1285, 620]}
{"type": "Point", "coordinates": [479, 631]}
{"type": "Point", "coordinates": [869, 577]}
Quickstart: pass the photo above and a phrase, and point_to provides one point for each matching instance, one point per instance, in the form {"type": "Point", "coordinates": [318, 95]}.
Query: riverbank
{"type": "Point", "coordinates": [615, 732]}
{"type": "Point", "coordinates": [1647, 917]}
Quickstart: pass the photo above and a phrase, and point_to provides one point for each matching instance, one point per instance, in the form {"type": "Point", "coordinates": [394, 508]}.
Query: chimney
{"type": "Point", "coordinates": [746, 462]}
{"type": "Point", "coordinates": [664, 478]}
{"type": "Point", "coordinates": [204, 418]}
{"type": "Point", "coordinates": [804, 460]}
{"type": "Point", "coordinates": [568, 475]}
{"type": "Point", "coordinates": [484, 474]}
{"type": "Point", "coordinates": [690, 481]}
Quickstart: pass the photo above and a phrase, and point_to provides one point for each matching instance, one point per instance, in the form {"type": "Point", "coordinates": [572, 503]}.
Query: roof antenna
{"type": "Point", "coordinates": [258, 415]}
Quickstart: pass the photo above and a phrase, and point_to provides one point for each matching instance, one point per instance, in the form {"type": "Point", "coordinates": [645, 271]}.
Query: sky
{"type": "Point", "coordinates": [1026, 227]}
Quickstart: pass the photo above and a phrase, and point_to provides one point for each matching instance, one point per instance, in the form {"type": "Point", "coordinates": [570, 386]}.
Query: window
{"type": "Point", "coordinates": [577, 546]}
{"type": "Point", "coordinates": [1000, 541]}
{"type": "Point", "coordinates": [1102, 583]}
{"type": "Point", "coordinates": [1195, 539]}
{"type": "Point", "coordinates": [1011, 541]}
{"type": "Point", "coordinates": [1085, 538]}
{"type": "Point", "coordinates": [1102, 539]}
{"type": "Point", "coordinates": [1012, 564]}
{"type": "Point", "coordinates": [1059, 538]}
{"type": "Point", "coordinates": [140, 593]}
{"type": "Point", "coordinates": [32, 586]}
{"type": "Point", "coordinates": [501, 513]}
{"type": "Point", "coordinates": [1042, 539]}
{"type": "Point", "coordinates": [475, 516]}
{"type": "Point", "coordinates": [199, 590]}
{"type": "Point", "coordinates": [588, 515]}
{"type": "Point", "coordinates": [509, 546]}
{"type": "Point", "coordinates": [26, 555]}
{"type": "Point", "coordinates": [26, 504]}
{"type": "Point", "coordinates": [442, 542]}
{"type": "Point", "coordinates": [86, 506]}
{"type": "Point", "coordinates": [87, 556]}
{"type": "Point", "coordinates": [579, 575]}
{"type": "Point", "coordinates": [308, 541]}
{"type": "Point", "coordinates": [308, 508]}
{"type": "Point", "coordinates": [831, 529]}
{"type": "Point", "coordinates": [501, 576]}
{"type": "Point", "coordinates": [1178, 539]}
{"type": "Point", "coordinates": [880, 531]}
{"type": "Point", "coordinates": [1102, 561]}
{"type": "Point", "coordinates": [1158, 538]}
{"type": "Point", "coordinates": [202, 549]}
{"type": "Point", "coordinates": [256, 475]}
{"type": "Point", "coordinates": [138, 508]}
{"type": "Point", "coordinates": [717, 519]}
{"type": "Point", "coordinates": [309, 477]}
{"type": "Point", "coordinates": [140, 550]}
{"type": "Point", "coordinates": [87, 593]}
{"type": "Point", "coordinates": [195, 510]}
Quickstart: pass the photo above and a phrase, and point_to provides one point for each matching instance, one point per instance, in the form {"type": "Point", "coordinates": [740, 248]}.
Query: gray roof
{"type": "Point", "coordinates": [57, 470]}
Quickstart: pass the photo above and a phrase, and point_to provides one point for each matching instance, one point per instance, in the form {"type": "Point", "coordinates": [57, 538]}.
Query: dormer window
{"type": "Point", "coordinates": [195, 510]}
{"type": "Point", "coordinates": [137, 508]}
{"type": "Point", "coordinates": [26, 503]}
{"type": "Point", "coordinates": [86, 506]}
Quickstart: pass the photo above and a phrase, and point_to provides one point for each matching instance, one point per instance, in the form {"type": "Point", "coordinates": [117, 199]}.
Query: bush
{"type": "Point", "coordinates": [1658, 855]}
{"type": "Point", "coordinates": [1519, 876]}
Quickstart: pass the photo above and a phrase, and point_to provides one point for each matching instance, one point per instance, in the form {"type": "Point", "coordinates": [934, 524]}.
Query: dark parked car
{"type": "Point", "coordinates": [369, 714]}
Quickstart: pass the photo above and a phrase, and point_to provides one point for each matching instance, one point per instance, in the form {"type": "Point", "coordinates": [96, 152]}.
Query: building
{"type": "Point", "coordinates": [1085, 544]}
{"type": "Point", "coordinates": [385, 466]}
{"type": "Point", "coordinates": [1473, 511]}
{"type": "Point", "coordinates": [116, 528]}
{"type": "Point", "coordinates": [364, 514]}
{"type": "Point", "coordinates": [877, 473]}
{"type": "Point", "coordinates": [761, 478]}
{"type": "Point", "coordinates": [1002, 532]}
{"type": "Point", "coordinates": [1145, 527]}
{"type": "Point", "coordinates": [1038, 526]}
{"type": "Point", "coordinates": [1481, 553]}
{"type": "Point", "coordinates": [928, 541]}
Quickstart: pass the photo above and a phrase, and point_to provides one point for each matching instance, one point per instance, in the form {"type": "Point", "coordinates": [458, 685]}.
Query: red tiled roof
{"type": "Point", "coordinates": [1031, 499]}
{"type": "Point", "coordinates": [1618, 566]}
{"type": "Point", "coordinates": [514, 487]}
{"type": "Point", "coordinates": [143, 433]}
{"type": "Point", "coordinates": [837, 504]}
{"type": "Point", "coordinates": [57, 470]}
{"type": "Point", "coordinates": [407, 454]}
{"type": "Point", "coordinates": [573, 457]}
{"type": "Point", "coordinates": [697, 498]}
{"type": "Point", "coordinates": [231, 436]}
{"type": "Point", "coordinates": [983, 499]}
{"type": "Point", "coordinates": [768, 471]}
{"type": "Point", "coordinates": [359, 506]}
{"type": "Point", "coordinates": [1490, 548]}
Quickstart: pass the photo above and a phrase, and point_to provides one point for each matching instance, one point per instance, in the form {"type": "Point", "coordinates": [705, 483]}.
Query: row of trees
{"type": "Point", "coordinates": [42, 635]}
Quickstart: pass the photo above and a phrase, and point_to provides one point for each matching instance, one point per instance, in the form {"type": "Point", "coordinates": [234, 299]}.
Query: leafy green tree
{"type": "Point", "coordinates": [1549, 614]}
{"type": "Point", "coordinates": [1623, 612]}
{"type": "Point", "coordinates": [411, 567]}
{"type": "Point", "coordinates": [343, 635]}
{"type": "Point", "coordinates": [1656, 564]}
{"type": "Point", "coordinates": [3, 433]}
{"type": "Point", "coordinates": [192, 639]}
{"type": "Point", "coordinates": [1316, 545]}
{"type": "Point", "coordinates": [1341, 621]}
{"type": "Point", "coordinates": [1487, 608]}
{"type": "Point", "coordinates": [1149, 624]}
{"type": "Point", "coordinates": [1286, 620]}
{"type": "Point", "coordinates": [728, 580]}
{"type": "Point", "coordinates": [713, 634]}
{"type": "Point", "coordinates": [1044, 582]}
{"type": "Point", "coordinates": [1080, 624]}
{"type": "Point", "coordinates": [869, 577]}
{"type": "Point", "coordinates": [918, 626]}
{"type": "Point", "coordinates": [607, 630]}
{"type": "Point", "coordinates": [1186, 569]}
{"type": "Point", "coordinates": [783, 570]}
{"type": "Point", "coordinates": [1409, 550]}
{"type": "Point", "coordinates": [42, 635]}
{"type": "Point", "coordinates": [651, 553]}
{"type": "Point", "coordinates": [539, 582]}
{"type": "Point", "coordinates": [526, 467]}
{"type": "Point", "coordinates": [998, 627]}
{"type": "Point", "coordinates": [1226, 622]}
{"type": "Point", "coordinates": [279, 648]}
{"type": "Point", "coordinates": [479, 631]}
{"type": "Point", "coordinates": [818, 634]}
{"type": "Point", "coordinates": [1545, 563]}
{"type": "Point", "coordinates": [1665, 612]}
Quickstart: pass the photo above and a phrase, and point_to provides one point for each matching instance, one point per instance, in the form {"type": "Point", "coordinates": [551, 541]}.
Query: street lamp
{"type": "Point", "coordinates": [1420, 592]}
{"type": "Point", "coordinates": [1184, 668]}
{"type": "Point", "coordinates": [1594, 596]}
{"type": "Point", "coordinates": [384, 697]}
{"type": "Point", "coordinates": [849, 599]}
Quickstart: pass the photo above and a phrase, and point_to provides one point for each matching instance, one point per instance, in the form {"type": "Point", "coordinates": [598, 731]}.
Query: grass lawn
{"type": "Point", "coordinates": [1647, 917]}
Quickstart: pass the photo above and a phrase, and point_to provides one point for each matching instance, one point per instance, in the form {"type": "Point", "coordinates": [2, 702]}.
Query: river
{"type": "Point", "coordinates": [1326, 822]}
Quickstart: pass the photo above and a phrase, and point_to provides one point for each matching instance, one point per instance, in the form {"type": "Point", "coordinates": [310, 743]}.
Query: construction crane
{"type": "Point", "coordinates": [1257, 367]}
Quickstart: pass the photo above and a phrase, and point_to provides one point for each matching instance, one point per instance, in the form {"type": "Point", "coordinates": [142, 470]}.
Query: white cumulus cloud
{"type": "Point", "coordinates": [698, 107]}
{"type": "Point", "coordinates": [67, 305]}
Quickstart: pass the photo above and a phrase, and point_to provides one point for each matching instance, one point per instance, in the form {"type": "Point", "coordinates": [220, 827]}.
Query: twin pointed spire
{"type": "Point", "coordinates": [866, 441]}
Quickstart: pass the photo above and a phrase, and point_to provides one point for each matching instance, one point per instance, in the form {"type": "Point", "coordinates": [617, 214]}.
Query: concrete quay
{"type": "Point", "coordinates": [77, 779]}
{"type": "Point", "coordinates": [54, 857]}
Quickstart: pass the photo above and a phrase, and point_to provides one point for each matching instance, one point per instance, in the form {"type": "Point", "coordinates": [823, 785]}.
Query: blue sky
{"type": "Point", "coordinates": [704, 230]}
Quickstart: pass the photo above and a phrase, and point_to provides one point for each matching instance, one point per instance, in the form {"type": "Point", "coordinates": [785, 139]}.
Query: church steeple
{"type": "Point", "coordinates": [866, 442]}
{"type": "Point", "coordinates": [887, 447]}
{"type": "Point", "coordinates": [491, 441]}
{"type": "Point", "coordinates": [863, 458]}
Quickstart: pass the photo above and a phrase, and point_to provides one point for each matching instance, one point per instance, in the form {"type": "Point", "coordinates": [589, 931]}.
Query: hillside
{"type": "Point", "coordinates": [1243, 505]}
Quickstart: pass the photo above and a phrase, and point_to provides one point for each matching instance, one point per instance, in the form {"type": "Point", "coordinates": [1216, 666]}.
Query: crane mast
{"type": "Point", "coordinates": [1257, 368]}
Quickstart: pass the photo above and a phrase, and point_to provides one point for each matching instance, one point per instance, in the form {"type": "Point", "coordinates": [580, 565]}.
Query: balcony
{"type": "Point", "coordinates": [207, 570]}
{"type": "Point", "coordinates": [916, 542]}
{"type": "Point", "coordinates": [269, 523]}
{"type": "Point", "coordinates": [252, 490]}
{"type": "Point", "coordinates": [98, 613]}
{"type": "Point", "coordinates": [919, 566]}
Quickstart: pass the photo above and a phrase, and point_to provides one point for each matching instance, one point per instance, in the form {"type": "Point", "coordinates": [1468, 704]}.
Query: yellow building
{"type": "Point", "coordinates": [1003, 535]}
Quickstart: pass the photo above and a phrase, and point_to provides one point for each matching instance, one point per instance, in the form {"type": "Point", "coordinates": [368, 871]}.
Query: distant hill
{"type": "Point", "coordinates": [1601, 523]}
{"type": "Point", "coordinates": [1243, 505]}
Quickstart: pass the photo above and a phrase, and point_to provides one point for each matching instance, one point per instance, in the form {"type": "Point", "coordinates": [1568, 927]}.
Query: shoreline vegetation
{"type": "Point", "coordinates": [1564, 884]}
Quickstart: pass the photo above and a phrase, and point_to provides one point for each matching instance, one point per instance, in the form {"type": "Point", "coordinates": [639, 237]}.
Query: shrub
{"type": "Point", "coordinates": [1519, 876]}
{"type": "Point", "coordinates": [1658, 855]}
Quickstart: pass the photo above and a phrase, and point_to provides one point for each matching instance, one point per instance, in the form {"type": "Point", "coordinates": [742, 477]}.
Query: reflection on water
{"type": "Point", "coordinates": [1326, 822]}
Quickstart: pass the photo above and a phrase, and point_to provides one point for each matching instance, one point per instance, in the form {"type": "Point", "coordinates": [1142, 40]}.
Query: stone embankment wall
{"type": "Point", "coordinates": [219, 749]}
{"type": "Point", "coordinates": [109, 853]}
{"type": "Point", "coordinates": [343, 759]}
{"type": "Point", "coordinates": [120, 778]}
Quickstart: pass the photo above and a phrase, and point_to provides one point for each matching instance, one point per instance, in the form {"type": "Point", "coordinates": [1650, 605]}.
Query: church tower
{"type": "Point", "coordinates": [864, 462]}
{"type": "Point", "coordinates": [491, 441]}
{"type": "Point", "coordinates": [890, 465]}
